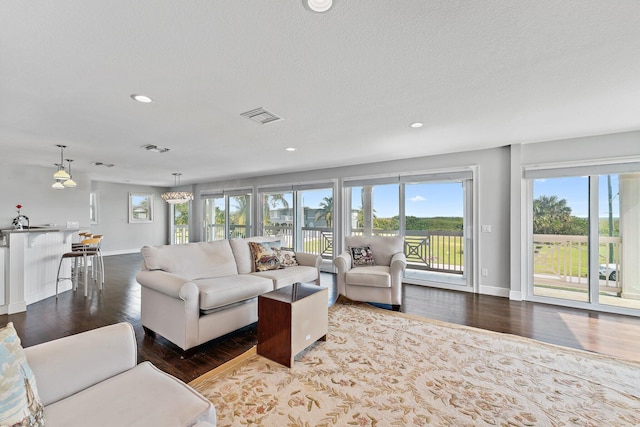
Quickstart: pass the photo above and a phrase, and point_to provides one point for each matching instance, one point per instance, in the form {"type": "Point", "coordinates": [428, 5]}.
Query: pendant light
{"type": "Point", "coordinates": [61, 174]}
{"type": "Point", "coordinates": [69, 183]}
{"type": "Point", "coordinates": [177, 197]}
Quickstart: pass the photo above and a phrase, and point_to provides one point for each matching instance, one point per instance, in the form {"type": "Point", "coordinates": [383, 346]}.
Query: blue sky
{"type": "Point", "coordinates": [446, 199]}
{"type": "Point", "coordinates": [423, 200]}
{"type": "Point", "coordinates": [575, 190]}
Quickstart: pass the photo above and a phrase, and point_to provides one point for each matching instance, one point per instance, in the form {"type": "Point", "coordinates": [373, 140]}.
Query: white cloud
{"type": "Point", "coordinates": [417, 199]}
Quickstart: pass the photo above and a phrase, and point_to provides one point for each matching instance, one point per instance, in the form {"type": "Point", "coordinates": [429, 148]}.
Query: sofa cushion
{"type": "Point", "coordinates": [152, 398]}
{"type": "Point", "coordinates": [19, 400]}
{"type": "Point", "coordinates": [377, 276]}
{"type": "Point", "coordinates": [242, 253]}
{"type": "Point", "coordinates": [290, 275]}
{"type": "Point", "coordinates": [221, 291]}
{"type": "Point", "coordinates": [192, 260]}
{"type": "Point", "coordinates": [361, 256]}
{"type": "Point", "coordinates": [286, 257]}
{"type": "Point", "coordinates": [264, 255]}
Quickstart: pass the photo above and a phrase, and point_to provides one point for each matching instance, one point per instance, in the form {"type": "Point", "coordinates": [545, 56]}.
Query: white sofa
{"type": "Point", "coordinates": [93, 379]}
{"type": "Point", "coordinates": [196, 292]}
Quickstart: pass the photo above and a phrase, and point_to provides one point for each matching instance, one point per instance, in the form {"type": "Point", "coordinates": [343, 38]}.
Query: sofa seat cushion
{"type": "Point", "coordinates": [289, 275]}
{"type": "Point", "coordinates": [377, 276]}
{"type": "Point", "coordinates": [192, 260]}
{"type": "Point", "coordinates": [142, 396]}
{"type": "Point", "coordinates": [220, 291]}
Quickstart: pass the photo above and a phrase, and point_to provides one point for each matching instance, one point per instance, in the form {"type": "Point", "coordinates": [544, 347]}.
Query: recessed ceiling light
{"type": "Point", "coordinates": [290, 149]}
{"type": "Point", "coordinates": [416, 125]}
{"type": "Point", "coordinates": [141, 98]}
{"type": "Point", "coordinates": [318, 5]}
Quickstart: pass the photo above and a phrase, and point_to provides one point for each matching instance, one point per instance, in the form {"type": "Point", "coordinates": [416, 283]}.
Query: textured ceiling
{"type": "Point", "coordinates": [348, 82]}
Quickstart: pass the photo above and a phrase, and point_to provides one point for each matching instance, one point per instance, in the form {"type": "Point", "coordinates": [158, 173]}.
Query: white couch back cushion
{"type": "Point", "coordinates": [192, 260]}
{"type": "Point", "coordinates": [383, 247]}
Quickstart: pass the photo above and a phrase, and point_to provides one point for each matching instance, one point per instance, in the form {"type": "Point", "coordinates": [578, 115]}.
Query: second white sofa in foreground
{"type": "Point", "coordinates": [196, 292]}
{"type": "Point", "coordinates": [93, 379]}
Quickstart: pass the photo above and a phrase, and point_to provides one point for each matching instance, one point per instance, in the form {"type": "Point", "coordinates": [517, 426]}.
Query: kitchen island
{"type": "Point", "coordinates": [29, 261]}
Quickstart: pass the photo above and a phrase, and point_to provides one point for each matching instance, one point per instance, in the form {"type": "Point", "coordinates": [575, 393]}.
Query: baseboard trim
{"type": "Point", "coordinates": [494, 291]}
{"type": "Point", "coordinates": [515, 295]}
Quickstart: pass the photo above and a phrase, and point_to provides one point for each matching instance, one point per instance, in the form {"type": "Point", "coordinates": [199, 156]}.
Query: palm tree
{"type": "Point", "coordinates": [239, 216]}
{"type": "Point", "coordinates": [272, 201]}
{"type": "Point", "coordinates": [550, 215]}
{"type": "Point", "coordinates": [327, 211]}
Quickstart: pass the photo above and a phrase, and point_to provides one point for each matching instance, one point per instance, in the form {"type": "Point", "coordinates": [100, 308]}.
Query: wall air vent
{"type": "Point", "coordinates": [106, 165]}
{"type": "Point", "coordinates": [154, 148]}
{"type": "Point", "coordinates": [262, 116]}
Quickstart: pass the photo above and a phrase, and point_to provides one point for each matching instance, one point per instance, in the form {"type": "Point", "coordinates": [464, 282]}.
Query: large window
{"type": "Point", "coordinates": [430, 211]}
{"type": "Point", "coordinates": [585, 236]}
{"type": "Point", "coordinates": [302, 217]}
{"type": "Point", "coordinates": [180, 223]}
{"type": "Point", "coordinates": [227, 215]}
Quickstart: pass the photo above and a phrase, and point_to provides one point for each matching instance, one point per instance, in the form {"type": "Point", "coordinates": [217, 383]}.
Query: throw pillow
{"type": "Point", "coordinates": [19, 400]}
{"type": "Point", "coordinates": [286, 257]}
{"type": "Point", "coordinates": [264, 256]}
{"type": "Point", "coordinates": [361, 256]}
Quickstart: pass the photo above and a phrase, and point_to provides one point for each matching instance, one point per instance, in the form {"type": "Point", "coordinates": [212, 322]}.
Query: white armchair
{"type": "Point", "coordinates": [379, 283]}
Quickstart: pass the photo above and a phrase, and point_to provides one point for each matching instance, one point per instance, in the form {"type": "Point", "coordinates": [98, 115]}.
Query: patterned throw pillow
{"type": "Point", "coordinates": [361, 256]}
{"type": "Point", "coordinates": [19, 400]}
{"type": "Point", "coordinates": [286, 257]}
{"type": "Point", "coordinates": [264, 256]}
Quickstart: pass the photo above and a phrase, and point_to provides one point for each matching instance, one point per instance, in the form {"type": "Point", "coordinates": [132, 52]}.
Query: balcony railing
{"type": "Point", "coordinates": [563, 262]}
{"type": "Point", "coordinates": [441, 251]}
{"type": "Point", "coordinates": [180, 234]}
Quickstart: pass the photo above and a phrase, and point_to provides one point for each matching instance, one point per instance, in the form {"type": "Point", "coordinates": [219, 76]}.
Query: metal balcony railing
{"type": "Point", "coordinates": [441, 251]}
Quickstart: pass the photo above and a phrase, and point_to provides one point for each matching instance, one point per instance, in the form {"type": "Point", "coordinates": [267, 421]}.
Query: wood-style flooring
{"type": "Point", "coordinates": [49, 319]}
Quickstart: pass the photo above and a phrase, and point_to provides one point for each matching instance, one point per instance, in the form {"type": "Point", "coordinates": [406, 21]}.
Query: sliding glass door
{"type": "Point", "coordinates": [561, 238]}
{"type": "Point", "coordinates": [586, 236]}
{"type": "Point", "coordinates": [430, 211]}
{"type": "Point", "coordinates": [227, 215]}
{"type": "Point", "coordinates": [301, 217]}
{"type": "Point", "coordinates": [277, 216]}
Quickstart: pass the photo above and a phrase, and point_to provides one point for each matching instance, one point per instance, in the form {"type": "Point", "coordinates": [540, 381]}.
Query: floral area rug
{"type": "Point", "coordinates": [381, 368]}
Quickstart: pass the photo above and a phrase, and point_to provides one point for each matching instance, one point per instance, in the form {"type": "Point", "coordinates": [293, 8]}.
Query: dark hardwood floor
{"type": "Point", "coordinates": [120, 301]}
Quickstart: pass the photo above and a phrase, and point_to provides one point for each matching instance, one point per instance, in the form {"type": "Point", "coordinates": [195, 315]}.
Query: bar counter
{"type": "Point", "coordinates": [29, 261]}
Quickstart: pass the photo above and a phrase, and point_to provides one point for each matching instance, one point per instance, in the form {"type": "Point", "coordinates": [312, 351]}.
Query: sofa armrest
{"type": "Point", "coordinates": [71, 364]}
{"type": "Point", "coordinates": [398, 262]}
{"type": "Point", "coordinates": [165, 283]}
{"type": "Point", "coordinates": [308, 259]}
{"type": "Point", "coordinates": [343, 262]}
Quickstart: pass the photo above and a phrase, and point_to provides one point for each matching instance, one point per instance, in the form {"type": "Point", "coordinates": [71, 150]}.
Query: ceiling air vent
{"type": "Point", "coordinates": [262, 116]}
{"type": "Point", "coordinates": [106, 165]}
{"type": "Point", "coordinates": [154, 148]}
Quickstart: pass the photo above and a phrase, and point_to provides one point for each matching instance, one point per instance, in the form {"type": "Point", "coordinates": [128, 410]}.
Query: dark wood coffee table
{"type": "Point", "coordinates": [290, 319]}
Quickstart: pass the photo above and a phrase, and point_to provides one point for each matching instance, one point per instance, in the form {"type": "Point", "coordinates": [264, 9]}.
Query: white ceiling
{"type": "Point", "coordinates": [348, 82]}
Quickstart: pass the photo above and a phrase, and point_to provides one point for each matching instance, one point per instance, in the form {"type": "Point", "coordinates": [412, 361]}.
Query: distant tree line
{"type": "Point", "coordinates": [438, 223]}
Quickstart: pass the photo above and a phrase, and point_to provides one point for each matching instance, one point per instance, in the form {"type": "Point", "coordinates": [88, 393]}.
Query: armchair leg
{"type": "Point", "coordinates": [395, 307]}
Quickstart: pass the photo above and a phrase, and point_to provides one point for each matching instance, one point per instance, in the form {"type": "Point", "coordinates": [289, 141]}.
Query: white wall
{"type": "Point", "coordinates": [113, 218]}
{"type": "Point", "coordinates": [31, 187]}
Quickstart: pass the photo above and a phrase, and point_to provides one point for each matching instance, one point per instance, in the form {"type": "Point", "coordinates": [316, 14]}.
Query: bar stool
{"type": "Point", "coordinates": [88, 248]}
